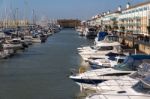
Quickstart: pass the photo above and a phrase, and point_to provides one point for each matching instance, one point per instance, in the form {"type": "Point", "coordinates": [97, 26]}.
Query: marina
{"type": "Point", "coordinates": [54, 50]}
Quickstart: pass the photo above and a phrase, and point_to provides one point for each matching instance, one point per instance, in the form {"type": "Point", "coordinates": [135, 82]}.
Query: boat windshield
{"type": "Point", "coordinates": [129, 64]}
{"type": "Point", "coordinates": [112, 38]}
{"type": "Point", "coordinates": [120, 61]}
{"type": "Point", "coordinates": [104, 48]}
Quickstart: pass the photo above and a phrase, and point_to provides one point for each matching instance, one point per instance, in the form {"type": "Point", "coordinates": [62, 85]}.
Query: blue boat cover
{"type": "Point", "coordinates": [140, 57]}
{"type": "Point", "coordinates": [101, 35]}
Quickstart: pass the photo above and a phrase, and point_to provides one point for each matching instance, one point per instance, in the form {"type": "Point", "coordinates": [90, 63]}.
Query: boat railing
{"type": "Point", "coordinates": [129, 96]}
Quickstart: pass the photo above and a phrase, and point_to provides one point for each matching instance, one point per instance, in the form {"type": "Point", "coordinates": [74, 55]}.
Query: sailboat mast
{"type": "Point", "coordinates": [6, 20]}
{"type": "Point", "coordinates": [25, 12]}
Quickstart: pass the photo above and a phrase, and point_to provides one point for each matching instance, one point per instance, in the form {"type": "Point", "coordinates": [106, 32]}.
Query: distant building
{"type": "Point", "coordinates": [12, 23]}
{"type": "Point", "coordinates": [107, 20]}
{"type": "Point", "coordinates": [69, 23]}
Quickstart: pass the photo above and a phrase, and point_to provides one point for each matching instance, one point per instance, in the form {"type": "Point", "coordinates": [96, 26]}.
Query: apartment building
{"type": "Point", "coordinates": [135, 19]}
{"type": "Point", "coordinates": [95, 21]}
{"type": "Point", "coordinates": [110, 20]}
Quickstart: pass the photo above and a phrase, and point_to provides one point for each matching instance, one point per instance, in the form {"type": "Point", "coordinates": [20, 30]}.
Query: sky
{"type": "Point", "coordinates": [61, 9]}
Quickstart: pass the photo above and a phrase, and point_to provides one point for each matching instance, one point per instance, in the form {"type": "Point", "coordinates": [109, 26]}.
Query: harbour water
{"type": "Point", "coordinates": [41, 72]}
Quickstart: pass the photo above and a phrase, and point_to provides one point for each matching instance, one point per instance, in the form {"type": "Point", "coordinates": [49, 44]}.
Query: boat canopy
{"type": "Point", "coordinates": [132, 62]}
{"type": "Point", "coordinates": [101, 35]}
{"type": "Point", "coordinates": [140, 57]}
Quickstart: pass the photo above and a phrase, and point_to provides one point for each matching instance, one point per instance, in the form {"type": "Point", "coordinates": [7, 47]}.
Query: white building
{"type": "Point", "coordinates": [135, 19]}
{"type": "Point", "coordinates": [110, 20]}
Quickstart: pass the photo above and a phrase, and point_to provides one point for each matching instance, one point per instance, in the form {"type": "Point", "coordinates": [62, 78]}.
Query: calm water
{"type": "Point", "coordinates": [41, 72]}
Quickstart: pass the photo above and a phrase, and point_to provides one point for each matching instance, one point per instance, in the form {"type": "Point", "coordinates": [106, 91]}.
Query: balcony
{"type": "Point", "coordinates": [138, 38]}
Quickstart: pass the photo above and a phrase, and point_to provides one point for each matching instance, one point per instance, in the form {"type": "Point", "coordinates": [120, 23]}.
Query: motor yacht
{"type": "Point", "coordinates": [140, 90]}
{"type": "Point", "coordinates": [107, 38]}
{"type": "Point", "coordinates": [109, 62]}
{"type": "Point", "coordinates": [90, 32]}
{"type": "Point", "coordinates": [111, 85]}
{"type": "Point", "coordinates": [97, 76]}
{"type": "Point", "coordinates": [36, 39]}
{"type": "Point", "coordinates": [121, 82]}
{"type": "Point", "coordinates": [28, 40]}
{"type": "Point", "coordinates": [101, 49]}
{"type": "Point", "coordinates": [14, 43]}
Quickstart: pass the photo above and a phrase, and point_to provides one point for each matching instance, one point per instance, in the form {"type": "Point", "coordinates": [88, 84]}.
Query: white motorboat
{"type": "Point", "coordinates": [97, 76]}
{"type": "Point", "coordinates": [36, 40]}
{"type": "Point", "coordinates": [140, 90]}
{"type": "Point", "coordinates": [90, 32]}
{"type": "Point", "coordinates": [109, 62]}
{"type": "Point", "coordinates": [101, 49]}
{"type": "Point", "coordinates": [123, 81]}
{"type": "Point", "coordinates": [13, 44]}
{"type": "Point", "coordinates": [8, 46]}
{"type": "Point", "coordinates": [100, 46]}
{"type": "Point", "coordinates": [28, 40]}
{"type": "Point", "coordinates": [111, 39]}
{"type": "Point", "coordinates": [111, 85]}
{"type": "Point", "coordinates": [36, 37]}
{"type": "Point", "coordinates": [107, 38]}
